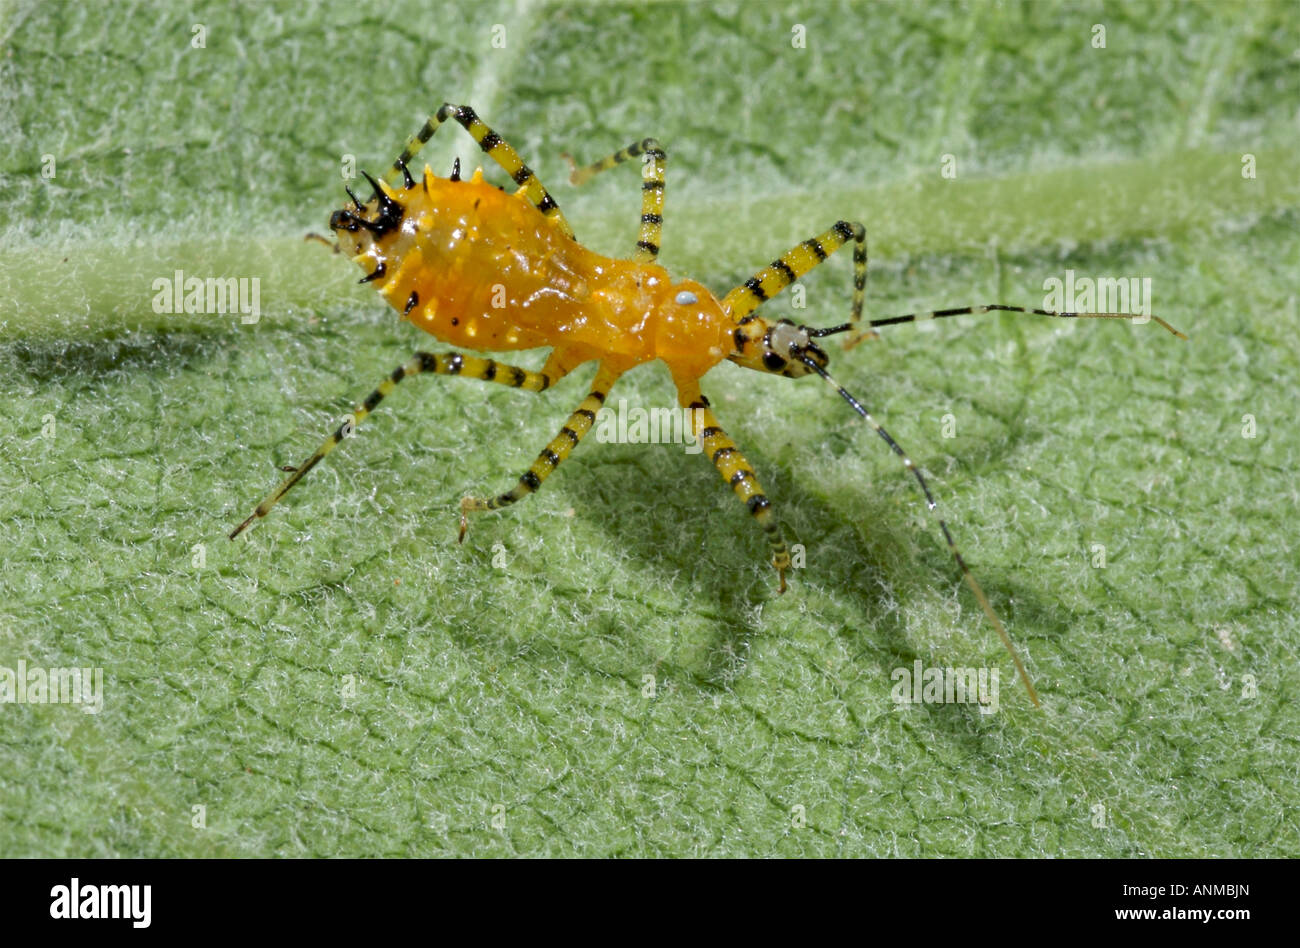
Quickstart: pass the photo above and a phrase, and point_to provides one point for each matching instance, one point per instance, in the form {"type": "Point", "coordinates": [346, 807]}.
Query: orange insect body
{"type": "Point", "coordinates": [484, 269]}
{"type": "Point", "coordinates": [487, 270]}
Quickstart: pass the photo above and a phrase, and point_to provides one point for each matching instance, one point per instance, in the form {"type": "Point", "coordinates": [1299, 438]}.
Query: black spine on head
{"type": "Point", "coordinates": [390, 212]}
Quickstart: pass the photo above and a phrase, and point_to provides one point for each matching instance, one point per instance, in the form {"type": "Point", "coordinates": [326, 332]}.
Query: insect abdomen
{"type": "Point", "coordinates": [477, 267]}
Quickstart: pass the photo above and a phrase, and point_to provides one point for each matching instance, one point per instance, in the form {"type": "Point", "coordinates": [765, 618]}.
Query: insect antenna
{"type": "Point", "coordinates": [870, 324]}
{"type": "Point", "coordinates": [934, 509]}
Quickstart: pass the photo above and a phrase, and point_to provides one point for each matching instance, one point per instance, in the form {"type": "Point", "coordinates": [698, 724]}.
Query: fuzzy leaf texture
{"type": "Point", "coordinates": [348, 681]}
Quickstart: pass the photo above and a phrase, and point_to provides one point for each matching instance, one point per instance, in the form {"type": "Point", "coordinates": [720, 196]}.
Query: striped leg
{"type": "Point", "coordinates": [977, 310]}
{"type": "Point", "coordinates": [494, 146]}
{"type": "Point", "coordinates": [559, 448]}
{"type": "Point", "coordinates": [653, 165]}
{"type": "Point", "coordinates": [735, 470]}
{"type": "Point", "coordinates": [796, 262]}
{"type": "Point", "coordinates": [934, 509]}
{"type": "Point", "coordinates": [446, 363]}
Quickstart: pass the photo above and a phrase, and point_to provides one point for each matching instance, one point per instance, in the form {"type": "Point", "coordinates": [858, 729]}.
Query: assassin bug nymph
{"type": "Point", "coordinates": [484, 269]}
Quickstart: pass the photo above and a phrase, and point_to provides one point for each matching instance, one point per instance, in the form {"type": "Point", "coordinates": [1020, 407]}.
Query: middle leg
{"type": "Point", "coordinates": [559, 448]}
{"type": "Point", "coordinates": [654, 161]}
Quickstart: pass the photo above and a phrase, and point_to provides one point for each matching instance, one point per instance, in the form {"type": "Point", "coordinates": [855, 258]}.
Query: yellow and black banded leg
{"type": "Point", "coordinates": [494, 146]}
{"type": "Point", "coordinates": [735, 470]}
{"type": "Point", "coordinates": [443, 363]}
{"type": "Point", "coordinates": [559, 448]}
{"type": "Point", "coordinates": [654, 161]}
{"type": "Point", "coordinates": [795, 263]}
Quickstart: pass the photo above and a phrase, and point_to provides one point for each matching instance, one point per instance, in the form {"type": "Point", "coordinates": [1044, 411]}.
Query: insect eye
{"type": "Point", "coordinates": [686, 298]}
{"type": "Point", "coordinates": [773, 361]}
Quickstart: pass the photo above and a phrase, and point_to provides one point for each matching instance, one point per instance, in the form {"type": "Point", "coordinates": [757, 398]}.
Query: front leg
{"type": "Point", "coordinates": [735, 470]}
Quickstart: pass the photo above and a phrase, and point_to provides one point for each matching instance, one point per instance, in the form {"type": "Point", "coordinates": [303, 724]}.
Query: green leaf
{"type": "Point", "coordinates": [347, 680]}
